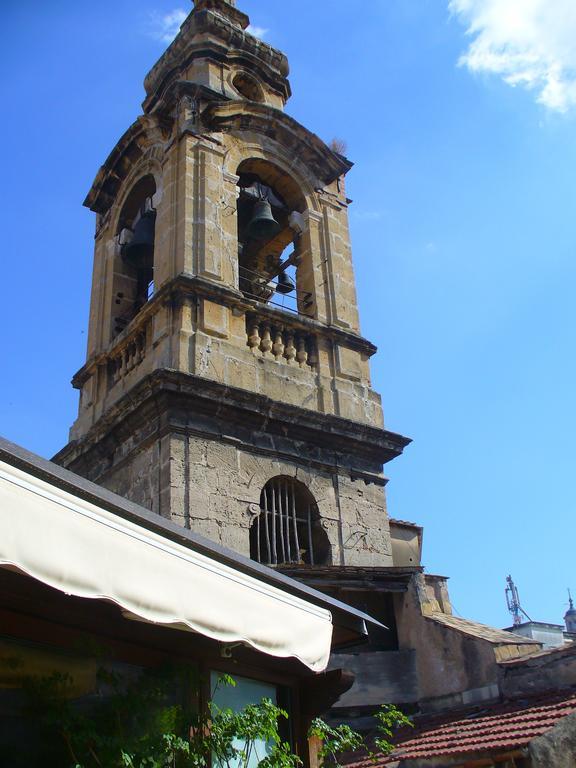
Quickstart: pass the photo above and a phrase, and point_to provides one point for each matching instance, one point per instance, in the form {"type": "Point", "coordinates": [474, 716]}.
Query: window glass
{"type": "Point", "coordinates": [246, 691]}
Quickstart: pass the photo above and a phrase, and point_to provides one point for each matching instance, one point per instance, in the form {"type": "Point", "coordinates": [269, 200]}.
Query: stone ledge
{"type": "Point", "coordinates": [254, 413]}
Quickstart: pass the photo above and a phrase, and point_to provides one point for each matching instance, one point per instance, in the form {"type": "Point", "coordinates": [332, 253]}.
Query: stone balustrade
{"type": "Point", "coordinates": [282, 342]}
{"type": "Point", "coordinates": [128, 356]}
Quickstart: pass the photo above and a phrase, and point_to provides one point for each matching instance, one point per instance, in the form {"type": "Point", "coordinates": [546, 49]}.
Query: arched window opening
{"type": "Point", "coordinates": [270, 222]}
{"type": "Point", "coordinates": [248, 87]}
{"type": "Point", "coordinates": [134, 268]}
{"type": "Point", "coordinates": [287, 529]}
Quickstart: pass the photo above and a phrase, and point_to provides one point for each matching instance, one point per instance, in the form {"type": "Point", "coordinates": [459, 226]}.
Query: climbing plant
{"type": "Point", "coordinates": [154, 720]}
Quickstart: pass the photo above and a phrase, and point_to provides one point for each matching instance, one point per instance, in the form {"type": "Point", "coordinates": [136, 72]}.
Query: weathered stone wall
{"type": "Point", "coordinates": [215, 490]}
{"type": "Point", "coordinates": [380, 677]}
{"type": "Point", "coordinates": [454, 668]}
{"type": "Point", "coordinates": [141, 478]}
{"type": "Point", "coordinates": [213, 487]}
{"type": "Point", "coordinates": [552, 670]}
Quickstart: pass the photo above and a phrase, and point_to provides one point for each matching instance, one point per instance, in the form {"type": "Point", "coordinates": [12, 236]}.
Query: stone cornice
{"type": "Point", "coordinates": [175, 394]}
{"type": "Point", "coordinates": [128, 152]}
{"type": "Point", "coordinates": [227, 116]}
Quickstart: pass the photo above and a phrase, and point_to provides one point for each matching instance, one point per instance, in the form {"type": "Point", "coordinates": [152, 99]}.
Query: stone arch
{"type": "Point", "coordinates": [148, 166]}
{"type": "Point", "coordinates": [133, 265]}
{"type": "Point", "coordinates": [274, 154]}
{"type": "Point", "coordinates": [270, 216]}
{"type": "Point", "coordinates": [288, 528]}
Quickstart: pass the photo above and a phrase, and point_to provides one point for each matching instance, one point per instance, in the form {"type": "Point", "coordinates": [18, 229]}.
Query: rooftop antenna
{"type": "Point", "coordinates": [513, 602]}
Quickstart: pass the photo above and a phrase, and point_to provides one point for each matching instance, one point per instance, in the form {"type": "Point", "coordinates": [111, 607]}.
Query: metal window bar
{"type": "Point", "coordinates": [310, 545]}
{"type": "Point", "coordinates": [258, 549]}
{"type": "Point", "coordinates": [295, 526]}
{"type": "Point", "coordinates": [280, 526]}
{"type": "Point", "coordinates": [275, 511]}
{"type": "Point", "coordinates": [265, 513]}
{"type": "Point", "coordinates": [286, 524]}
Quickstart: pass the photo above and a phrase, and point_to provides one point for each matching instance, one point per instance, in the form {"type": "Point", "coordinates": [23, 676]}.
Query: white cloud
{"type": "Point", "coordinates": [528, 43]}
{"type": "Point", "coordinates": [165, 27]}
{"type": "Point", "coordinates": [256, 31]}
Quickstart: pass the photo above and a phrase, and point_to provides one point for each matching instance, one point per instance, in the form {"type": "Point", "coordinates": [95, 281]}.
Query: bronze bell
{"type": "Point", "coordinates": [140, 250]}
{"type": "Point", "coordinates": [285, 283]}
{"type": "Point", "coordinates": [262, 225]}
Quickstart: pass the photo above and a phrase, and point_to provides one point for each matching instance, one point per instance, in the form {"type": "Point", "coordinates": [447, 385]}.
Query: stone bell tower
{"type": "Point", "coordinates": [227, 385]}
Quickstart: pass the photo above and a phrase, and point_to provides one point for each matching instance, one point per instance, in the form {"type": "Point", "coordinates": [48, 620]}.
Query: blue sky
{"type": "Point", "coordinates": [460, 118]}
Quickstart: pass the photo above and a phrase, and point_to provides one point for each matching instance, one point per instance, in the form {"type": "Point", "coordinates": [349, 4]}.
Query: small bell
{"type": "Point", "coordinates": [140, 250]}
{"type": "Point", "coordinates": [285, 283]}
{"type": "Point", "coordinates": [262, 225]}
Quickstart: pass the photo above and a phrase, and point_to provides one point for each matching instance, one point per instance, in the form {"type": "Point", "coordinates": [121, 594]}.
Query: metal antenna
{"type": "Point", "coordinates": [513, 602]}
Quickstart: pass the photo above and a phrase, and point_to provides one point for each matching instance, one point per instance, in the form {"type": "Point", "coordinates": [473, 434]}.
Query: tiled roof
{"type": "Point", "coordinates": [502, 728]}
{"type": "Point", "coordinates": [546, 654]}
{"type": "Point", "coordinates": [480, 630]}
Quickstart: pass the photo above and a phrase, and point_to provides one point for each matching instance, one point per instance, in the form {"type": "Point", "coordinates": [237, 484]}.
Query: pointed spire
{"type": "Point", "coordinates": [570, 615]}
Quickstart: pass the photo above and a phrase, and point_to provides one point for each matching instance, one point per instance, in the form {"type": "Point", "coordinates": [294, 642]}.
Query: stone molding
{"type": "Point", "coordinates": [228, 43]}
{"type": "Point", "coordinates": [253, 411]}
{"type": "Point", "coordinates": [229, 116]}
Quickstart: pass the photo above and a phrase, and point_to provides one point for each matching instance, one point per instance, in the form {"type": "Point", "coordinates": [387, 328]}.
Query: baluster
{"type": "Point", "coordinates": [266, 343]}
{"type": "Point", "coordinates": [141, 346]}
{"type": "Point", "coordinates": [312, 353]}
{"type": "Point", "coordinates": [129, 357]}
{"type": "Point", "coordinates": [254, 339]}
{"type": "Point", "coordinates": [301, 354]}
{"type": "Point", "coordinates": [123, 362]}
{"type": "Point", "coordinates": [290, 351]}
{"type": "Point", "coordinates": [278, 346]}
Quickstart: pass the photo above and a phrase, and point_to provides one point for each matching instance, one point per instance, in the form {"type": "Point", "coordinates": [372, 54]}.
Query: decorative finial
{"type": "Point", "coordinates": [570, 600]}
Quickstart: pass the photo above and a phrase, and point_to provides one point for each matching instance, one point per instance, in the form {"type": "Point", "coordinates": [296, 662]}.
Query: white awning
{"type": "Point", "coordinates": [85, 550]}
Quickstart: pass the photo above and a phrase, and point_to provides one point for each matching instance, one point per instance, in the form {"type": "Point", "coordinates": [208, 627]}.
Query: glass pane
{"type": "Point", "coordinates": [245, 692]}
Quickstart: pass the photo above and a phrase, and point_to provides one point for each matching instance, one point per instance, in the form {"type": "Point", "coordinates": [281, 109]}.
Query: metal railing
{"type": "Point", "coordinates": [263, 288]}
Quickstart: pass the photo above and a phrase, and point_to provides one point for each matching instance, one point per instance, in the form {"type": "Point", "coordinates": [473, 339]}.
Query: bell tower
{"type": "Point", "coordinates": [227, 385]}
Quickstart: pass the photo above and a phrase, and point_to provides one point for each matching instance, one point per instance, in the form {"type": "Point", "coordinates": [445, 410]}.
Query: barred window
{"type": "Point", "coordinates": [288, 528]}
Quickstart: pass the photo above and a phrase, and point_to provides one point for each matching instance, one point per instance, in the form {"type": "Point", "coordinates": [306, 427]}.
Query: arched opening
{"type": "Point", "coordinates": [287, 528]}
{"type": "Point", "coordinates": [248, 87]}
{"type": "Point", "coordinates": [270, 222]}
{"type": "Point", "coordinates": [134, 266]}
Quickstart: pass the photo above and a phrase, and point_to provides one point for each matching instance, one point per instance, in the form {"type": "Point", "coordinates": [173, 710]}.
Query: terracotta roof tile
{"type": "Point", "coordinates": [500, 728]}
